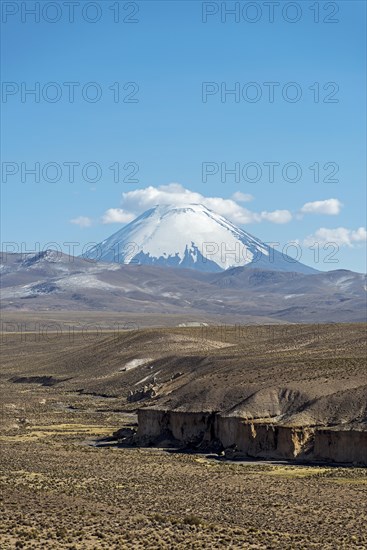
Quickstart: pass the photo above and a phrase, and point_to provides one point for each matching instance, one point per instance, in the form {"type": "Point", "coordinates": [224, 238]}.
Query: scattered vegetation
{"type": "Point", "coordinates": [57, 490]}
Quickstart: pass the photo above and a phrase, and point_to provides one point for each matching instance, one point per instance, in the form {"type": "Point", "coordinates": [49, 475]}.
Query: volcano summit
{"type": "Point", "coordinates": [190, 236]}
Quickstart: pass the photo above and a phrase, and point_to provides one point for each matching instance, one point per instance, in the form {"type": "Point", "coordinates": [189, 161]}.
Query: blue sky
{"type": "Point", "coordinates": [169, 132]}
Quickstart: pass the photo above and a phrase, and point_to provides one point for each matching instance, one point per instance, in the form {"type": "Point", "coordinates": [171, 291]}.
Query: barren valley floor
{"type": "Point", "coordinates": [60, 396]}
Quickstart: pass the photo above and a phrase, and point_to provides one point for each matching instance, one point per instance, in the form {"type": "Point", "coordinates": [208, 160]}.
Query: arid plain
{"type": "Point", "coordinates": [66, 484]}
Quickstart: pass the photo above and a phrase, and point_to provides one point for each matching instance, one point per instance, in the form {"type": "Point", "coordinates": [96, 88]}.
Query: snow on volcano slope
{"type": "Point", "coordinates": [190, 236]}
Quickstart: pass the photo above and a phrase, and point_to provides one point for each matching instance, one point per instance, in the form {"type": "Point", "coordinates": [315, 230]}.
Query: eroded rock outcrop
{"type": "Point", "coordinates": [252, 438]}
{"type": "Point", "coordinates": [341, 445]}
{"type": "Point", "coordinates": [147, 392]}
{"type": "Point", "coordinates": [188, 428]}
{"type": "Point", "coordinates": [263, 439]}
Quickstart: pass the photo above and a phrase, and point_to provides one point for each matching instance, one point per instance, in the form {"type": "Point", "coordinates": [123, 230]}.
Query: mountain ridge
{"type": "Point", "coordinates": [57, 282]}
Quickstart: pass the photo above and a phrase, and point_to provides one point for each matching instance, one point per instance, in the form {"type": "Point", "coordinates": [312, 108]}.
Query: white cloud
{"type": "Point", "coordinates": [139, 200]}
{"type": "Point", "coordinates": [330, 207]}
{"type": "Point", "coordinates": [117, 215]}
{"type": "Point", "coordinates": [238, 196]}
{"type": "Point", "coordinates": [340, 236]}
{"type": "Point", "coordinates": [82, 221]}
{"type": "Point", "coordinates": [277, 216]}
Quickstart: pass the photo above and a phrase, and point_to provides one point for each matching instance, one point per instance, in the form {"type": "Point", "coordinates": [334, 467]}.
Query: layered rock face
{"type": "Point", "coordinates": [188, 428]}
{"type": "Point", "coordinates": [341, 445]}
{"type": "Point", "coordinates": [256, 439]}
{"type": "Point", "coordinates": [262, 439]}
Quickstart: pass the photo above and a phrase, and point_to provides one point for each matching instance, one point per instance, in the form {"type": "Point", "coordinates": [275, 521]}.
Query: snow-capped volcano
{"type": "Point", "coordinates": [190, 236]}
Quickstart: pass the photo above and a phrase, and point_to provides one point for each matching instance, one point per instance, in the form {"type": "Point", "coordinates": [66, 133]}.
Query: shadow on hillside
{"type": "Point", "coordinates": [219, 455]}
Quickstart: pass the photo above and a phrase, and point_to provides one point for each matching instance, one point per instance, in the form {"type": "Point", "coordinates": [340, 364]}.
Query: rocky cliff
{"type": "Point", "coordinates": [239, 437]}
{"type": "Point", "coordinates": [341, 445]}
